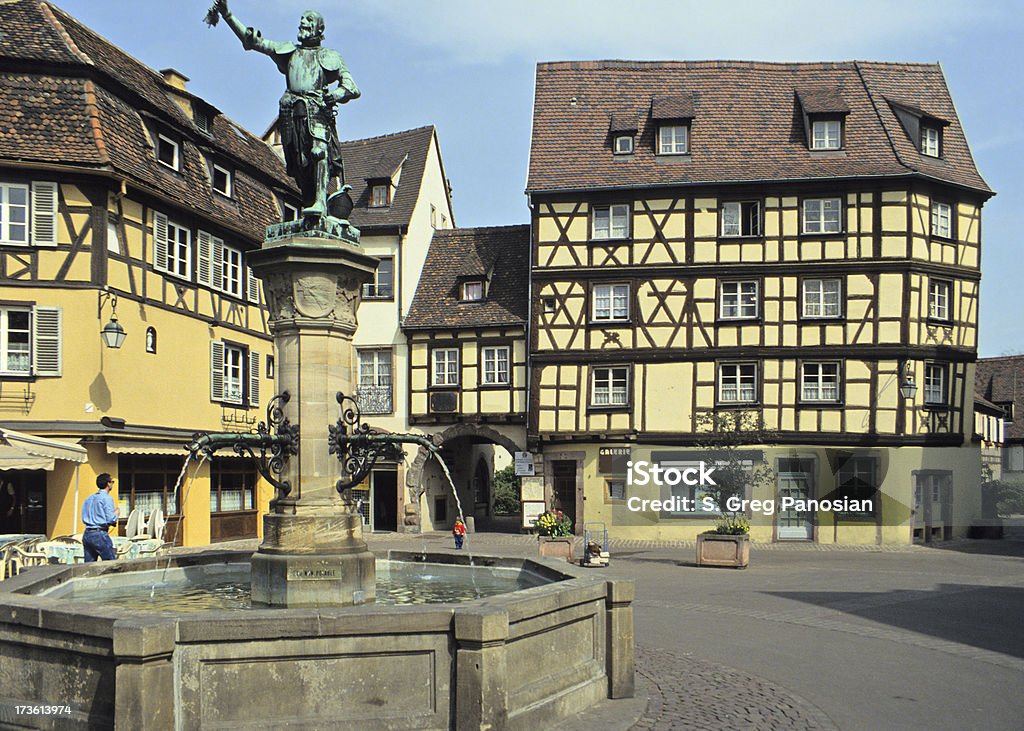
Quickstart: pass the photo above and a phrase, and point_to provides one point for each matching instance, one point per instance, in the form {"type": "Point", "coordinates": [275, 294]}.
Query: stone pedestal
{"type": "Point", "coordinates": [313, 552]}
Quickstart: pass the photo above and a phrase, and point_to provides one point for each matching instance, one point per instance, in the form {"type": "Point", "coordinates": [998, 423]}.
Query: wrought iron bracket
{"type": "Point", "coordinates": [269, 447]}
{"type": "Point", "coordinates": [359, 450]}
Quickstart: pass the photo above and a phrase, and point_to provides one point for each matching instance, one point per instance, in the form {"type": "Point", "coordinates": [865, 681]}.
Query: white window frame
{"type": "Point", "coordinates": [623, 145]}
{"type": "Point", "coordinates": [179, 253]}
{"type": "Point", "coordinates": [234, 374]}
{"type": "Point", "coordinates": [175, 163]}
{"type": "Point", "coordinates": [609, 386]}
{"type": "Point", "coordinates": [610, 222]}
{"type": "Point", "coordinates": [610, 303]}
{"type": "Point", "coordinates": [5, 345]}
{"type": "Point", "coordinates": [737, 383]}
{"type": "Point", "coordinates": [827, 134]}
{"type": "Point", "coordinates": [289, 212]}
{"type": "Point", "coordinates": [940, 299]}
{"type": "Point", "coordinates": [931, 141]}
{"type": "Point", "coordinates": [674, 139]}
{"type": "Point", "coordinates": [444, 367]}
{"type": "Point", "coordinates": [472, 291]}
{"type": "Point", "coordinates": [816, 301]}
{"type": "Point", "coordinates": [942, 219]}
{"type": "Point", "coordinates": [497, 369]}
{"type": "Point", "coordinates": [376, 371]}
{"type": "Point", "coordinates": [737, 213]}
{"type": "Point", "coordinates": [228, 180]}
{"type": "Point", "coordinates": [231, 271]}
{"type": "Point", "coordinates": [739, 300]}
{"type": "Point", "coordinates": [935, 386]}
{"type": "Point", "coordinates": [7, 208]}
{"type": "Point", "coordinates": [820, 382]}
{"type": "Point", "coordinates": [816, 219]}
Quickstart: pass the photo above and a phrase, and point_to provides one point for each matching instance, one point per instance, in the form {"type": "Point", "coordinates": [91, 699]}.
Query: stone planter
{"type": "Point", "coordinates": [723, 550]}
{"type": "Point", "coordinates": [551, 547]}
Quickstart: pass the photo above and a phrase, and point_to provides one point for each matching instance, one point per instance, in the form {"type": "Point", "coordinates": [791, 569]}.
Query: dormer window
{"type": "Point", "coordinates": [380, 194]}
{"type": "Point", "coordinates": [931, 140]}
{"type": "Point", "coordinates": [222, 182]}
{"type": "Point", "coordinates": [623, 145]}
{"type": "Point", "coordinates": [622, 129]}
{"type": "Point", "coordinates": [674, 139]}
{"type": "Point", "coordinates": [826, 134]}
{"type": "Point", "coordinates": [289, 212]}
{"type": "Point", "coordinates": [202, 120]}
{"type": "Point", "coordinates": [167, 151]}
{"type": "Point", "coordinates": [473, 290]}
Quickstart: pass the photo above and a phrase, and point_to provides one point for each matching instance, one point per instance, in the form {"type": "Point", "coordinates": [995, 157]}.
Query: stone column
{"type": "Point", "coordinates": [313, 552]}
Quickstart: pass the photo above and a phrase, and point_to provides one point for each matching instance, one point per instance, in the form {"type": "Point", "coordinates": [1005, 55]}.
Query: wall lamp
{"type": "Point", "coordinates": [908, 388]}
{"type": "Point", "coordinates": [112, 333]}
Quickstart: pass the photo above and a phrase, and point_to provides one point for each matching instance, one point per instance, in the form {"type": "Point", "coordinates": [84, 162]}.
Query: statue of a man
{"type": "Point", "coordinates": [306, 120]}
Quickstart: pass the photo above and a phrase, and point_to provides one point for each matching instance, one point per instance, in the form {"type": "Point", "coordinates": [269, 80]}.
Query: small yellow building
{"type": "Point", "coordinates": [794, 243]}
{"type": "Point", "coordinates": [124, 198]}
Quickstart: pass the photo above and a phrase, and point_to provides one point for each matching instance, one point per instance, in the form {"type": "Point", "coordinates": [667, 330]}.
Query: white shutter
{"type": "Point", "coordinates": [44, 214]}
{"type": "Point", "coordinates": [252, 286]}
{"type": "Point", "coordinates": [203, 268]}
{"type": "Point", "coordinates": [254, 378]}
{"type": "Point", "coordinates": [160, 241]}
{"type": "Point", "coordinates": [46, 341]}
{"type": "Point", "coordinates": [218, 264]}
{"type": "Point", "coordinates": [216, 371]}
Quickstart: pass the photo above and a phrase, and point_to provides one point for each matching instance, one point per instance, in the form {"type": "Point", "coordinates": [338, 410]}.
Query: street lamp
{"type": "Point", "coordinates": [112, 333]}
{"type": "Point", "coordinates": [908, 388]}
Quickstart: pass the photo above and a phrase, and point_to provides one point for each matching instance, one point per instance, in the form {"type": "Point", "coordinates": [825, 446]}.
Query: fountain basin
{"type": "Point", "coordinates": [523, 659]}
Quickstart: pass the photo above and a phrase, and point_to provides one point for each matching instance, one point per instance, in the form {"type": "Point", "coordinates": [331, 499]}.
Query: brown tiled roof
{"type": "Point", "coordinates": [818, 101]}
{"type": "Point", "coordinates": [69, 96]}
{"type": "Point", "coordinates": [378, 157]}
{"type": "Point", "coordinates": [1001, 380]}
{"type": "Point", "coordinates": [625, 122]}
{"type": "Point", "coordinates": [747, 124]}
{"type": "Point", "coordinates": [455, 253]}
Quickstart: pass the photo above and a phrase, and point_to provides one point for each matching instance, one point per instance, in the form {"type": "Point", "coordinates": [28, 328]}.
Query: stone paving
{"type": "Point", "coordinates": [685, 692]}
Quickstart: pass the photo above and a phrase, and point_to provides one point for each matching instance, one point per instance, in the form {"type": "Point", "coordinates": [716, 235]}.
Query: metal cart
{"type": "Point", "coordinates": [595, 545]}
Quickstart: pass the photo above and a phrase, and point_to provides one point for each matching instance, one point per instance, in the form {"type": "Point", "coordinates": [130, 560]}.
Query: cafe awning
{"type": "Point", "coordinates": [19, 451]}
{"type": "Point", "coordinates": [140, 446]}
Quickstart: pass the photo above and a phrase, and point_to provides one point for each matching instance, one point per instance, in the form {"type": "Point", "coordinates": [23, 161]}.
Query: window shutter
{"type": "Point", "coordinates": [218, 263]}
{"type": "Point", "coordinates": [216, 371]}
{"type": "Point", "coordinates": [205, 254]}
{"type": "Point", "coordinates": [160, 241]}
{"type": "Point", "coordinates": [254, 378]}
{"type": "Point", "coordinates": [252, 286]}
{"type": "Point", "coordinates": [44, 214]}
{"type": "Point", "coordinates": [46, 341]}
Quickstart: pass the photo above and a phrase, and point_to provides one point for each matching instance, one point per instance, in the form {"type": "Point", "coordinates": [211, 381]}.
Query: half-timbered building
{"type": "Point", "coordinates": [999, 384]}
{"type": "Point", "coordinates": [794, 245]}
{"type": "Point", "coordinates": [467, 366]}
{"type": "Point", "coordinates": [125, 198]}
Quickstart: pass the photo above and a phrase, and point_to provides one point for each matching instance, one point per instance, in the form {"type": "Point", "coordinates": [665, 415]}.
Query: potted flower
{"type": "Point", "coordinates": [554, 534]}
{"type": "Point", "coordinates": [727, 544]}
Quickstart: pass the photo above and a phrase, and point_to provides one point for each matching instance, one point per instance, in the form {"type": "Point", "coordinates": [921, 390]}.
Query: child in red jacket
{"type": "Point", "coordinates": [459, 531]}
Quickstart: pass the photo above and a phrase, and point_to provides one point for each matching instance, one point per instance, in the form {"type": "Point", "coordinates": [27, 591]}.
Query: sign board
{"type": "Point", "coordinates": [524, 464]}
{"type": "Point", "coordinates": [532, 510]}
{"type": "Point", "coordinates": [612, 460]}
{"type": "Point", "coordinates": [531, 489]}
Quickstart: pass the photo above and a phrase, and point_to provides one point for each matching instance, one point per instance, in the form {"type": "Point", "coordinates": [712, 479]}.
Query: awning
{"type": "Point", "coordinates": [141, 446]}
{"type": "Point", "coordinates": [20, 451]}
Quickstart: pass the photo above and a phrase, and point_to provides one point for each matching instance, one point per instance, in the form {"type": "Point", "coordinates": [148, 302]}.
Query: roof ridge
{"type": "Point", "coordinates": [389, 134]}
{"type": "Point", "coordinates": [881, 122]}
{"type": "Point", "coordinates": [480, 229]}
{"type": "Point", "coordinates": [94, 120]}
{"type": "Point", "coordinates": [611, 64]}
{"type": "Point", "coordinates": [58, 25]}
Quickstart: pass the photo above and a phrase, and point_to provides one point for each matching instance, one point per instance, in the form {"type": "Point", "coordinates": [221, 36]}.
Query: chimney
{"type": "Point", "coordinates": [174, 78]}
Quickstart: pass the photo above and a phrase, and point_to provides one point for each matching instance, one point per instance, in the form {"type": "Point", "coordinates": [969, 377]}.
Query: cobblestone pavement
{"type": "Point", "coordinates": [687, 693]}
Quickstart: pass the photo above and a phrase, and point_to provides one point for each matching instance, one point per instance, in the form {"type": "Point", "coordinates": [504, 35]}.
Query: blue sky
{"type": "Point", "coordinates": [467, 66]}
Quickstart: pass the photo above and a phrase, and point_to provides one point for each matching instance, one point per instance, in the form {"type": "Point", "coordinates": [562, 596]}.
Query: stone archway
{"type": "Point", "coordinates": [414, 475]}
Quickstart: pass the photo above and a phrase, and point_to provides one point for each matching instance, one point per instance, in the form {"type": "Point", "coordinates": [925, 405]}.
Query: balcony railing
{"type": "Point", "coordinates": [374, 399]}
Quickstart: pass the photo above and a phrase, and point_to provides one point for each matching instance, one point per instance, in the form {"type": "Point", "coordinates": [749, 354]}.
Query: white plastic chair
{"type": "Point", "coordinates": [131, 528]}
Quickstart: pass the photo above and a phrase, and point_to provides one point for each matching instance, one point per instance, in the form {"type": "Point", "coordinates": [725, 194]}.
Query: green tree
{"type": "Point", "coordinates": [506, 491]}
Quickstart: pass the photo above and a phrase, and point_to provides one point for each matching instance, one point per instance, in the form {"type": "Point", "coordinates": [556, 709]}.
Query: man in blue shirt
{"type": "Point", "coordinates": [98, 514]}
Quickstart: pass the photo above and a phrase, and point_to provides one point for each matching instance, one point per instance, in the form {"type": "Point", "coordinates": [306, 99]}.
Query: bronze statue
{"type": "Point", "coordinates": [306, 119]}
